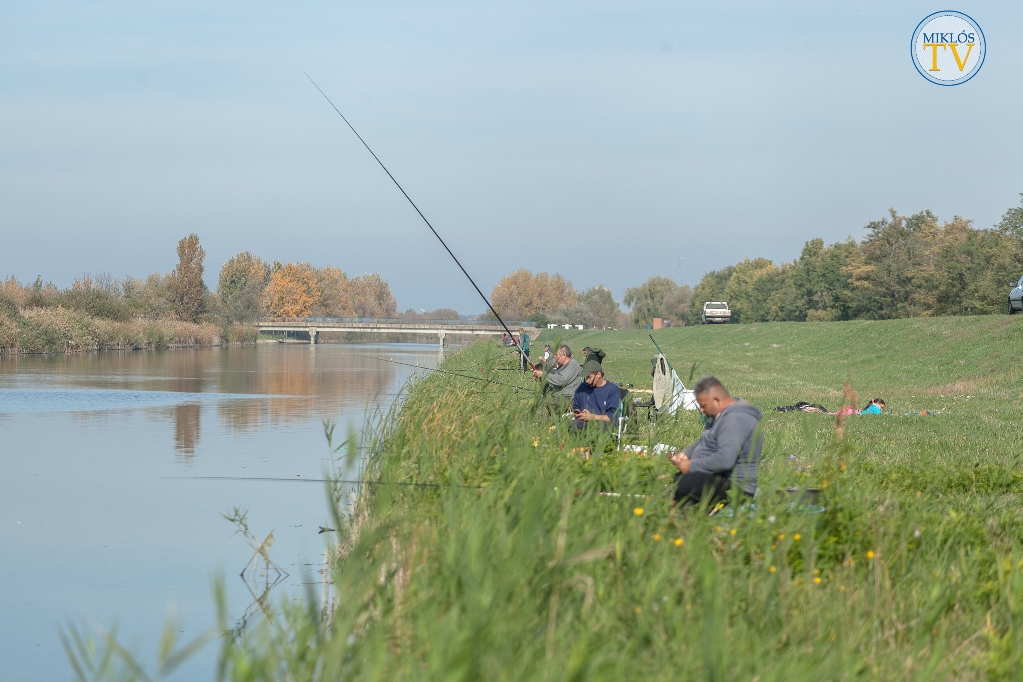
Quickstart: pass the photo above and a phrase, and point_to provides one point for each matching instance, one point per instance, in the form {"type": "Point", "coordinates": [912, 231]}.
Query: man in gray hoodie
{"type": "Point", "coordinates": [728, 452]}
{"type": "Point", "coordinates": [563, 379]}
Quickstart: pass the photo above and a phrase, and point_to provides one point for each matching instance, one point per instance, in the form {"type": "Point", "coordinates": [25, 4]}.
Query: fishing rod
{"type": "Point", "coordinates": [320, 480]}
{"type": "Point", "coordinates": [522, 353]}
{"type": "Point", "coordinates": [661, 352]}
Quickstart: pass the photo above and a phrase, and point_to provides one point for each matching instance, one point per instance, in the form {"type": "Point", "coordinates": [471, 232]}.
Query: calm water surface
{"type": "Point", "coordinates": [99, 522]}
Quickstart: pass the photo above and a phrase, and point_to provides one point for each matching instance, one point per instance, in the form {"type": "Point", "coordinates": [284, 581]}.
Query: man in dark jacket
{"type": "Point", "coordinates": [596, 400]}
{"type": "Point", "coordinates": [728, 452]}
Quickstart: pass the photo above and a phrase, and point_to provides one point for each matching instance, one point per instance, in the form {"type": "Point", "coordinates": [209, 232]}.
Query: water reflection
{"type": "Point", "coordinates": [249, 387]}
{"type": "Point", "coordinates": [187, 428]}
{"type": "Point", "coordinates": [142, 452]}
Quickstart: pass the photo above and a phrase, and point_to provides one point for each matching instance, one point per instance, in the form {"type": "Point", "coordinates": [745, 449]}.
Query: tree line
{"type": "Point", "coordinates": [905, 266]}
{"type": "Point", "coordinates": [248, 288]}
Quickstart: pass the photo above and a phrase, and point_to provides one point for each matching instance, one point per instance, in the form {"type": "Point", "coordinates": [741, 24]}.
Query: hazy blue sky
{"type": "Point", "coordinates": [602, 141]}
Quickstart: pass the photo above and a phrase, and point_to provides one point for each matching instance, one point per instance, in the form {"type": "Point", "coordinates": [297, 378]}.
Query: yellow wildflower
{"type": "Point", "coordinates": [870, 554]}
{"type": "Point", "coordinates": [638, 511]}
{"type": "Point", "coordinates": [678, 542]}
{"type": "Point", "coordinates": [797, 537]}
{"type": "Point", "coordinates": [732, 532]}
{"type": "Point", "coordinates": [772, 569]}
{"type": "Point", "coordinates": [817, 580]}
{"type": "Point", "coordinates": [657, 536]}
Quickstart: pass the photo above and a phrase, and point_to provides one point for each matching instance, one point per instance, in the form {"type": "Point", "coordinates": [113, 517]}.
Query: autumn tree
{"type": "Point", "coordinates": [522, 295]}
{"type": "Point", "coordinates": [372, 297]}
{"type": "Point", "coordinates": [242, 280]}
{"type": "Point", "coordinates": [291, 292]}
{"type": "Point", "coordinates": [188, 291]}
{"type": "Point", "coordinates": [336, 296]}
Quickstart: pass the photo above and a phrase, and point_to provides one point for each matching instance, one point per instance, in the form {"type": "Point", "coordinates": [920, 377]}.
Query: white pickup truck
{"type": "Point", "coordinates": [715, 311]}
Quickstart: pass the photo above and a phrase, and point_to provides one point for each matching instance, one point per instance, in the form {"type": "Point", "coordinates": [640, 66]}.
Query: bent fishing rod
{"type": "Point", "coordinates": [479, 291]}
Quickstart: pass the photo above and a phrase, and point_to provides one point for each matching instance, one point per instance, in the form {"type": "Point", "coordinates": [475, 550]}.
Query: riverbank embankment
{"type": "Point", "coordinates": [499, 547]}
{"type": "Point", "coordinates": [63, 330]}
{"type": "Point", "coordinates": [492, 542]}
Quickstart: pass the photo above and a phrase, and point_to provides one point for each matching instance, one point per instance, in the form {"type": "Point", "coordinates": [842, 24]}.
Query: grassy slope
{"type": "Point", "coordinates": [911, 572]}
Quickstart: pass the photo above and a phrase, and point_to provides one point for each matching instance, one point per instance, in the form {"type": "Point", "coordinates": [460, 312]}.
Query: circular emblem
{"type": "Point", "coordinates": [948, 48]}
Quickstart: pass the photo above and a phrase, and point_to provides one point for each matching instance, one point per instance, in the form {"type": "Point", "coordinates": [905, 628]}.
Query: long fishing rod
{"type": "Point", "coordinates": [479, 291]}
{"type": "Point", "coordinates": [320, 480]}
{"type": "Point", "coordinates": [442, 371]}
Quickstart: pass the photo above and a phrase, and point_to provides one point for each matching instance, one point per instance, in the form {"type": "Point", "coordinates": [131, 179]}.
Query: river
{"type": "Point", "coordinates": [105, 517]}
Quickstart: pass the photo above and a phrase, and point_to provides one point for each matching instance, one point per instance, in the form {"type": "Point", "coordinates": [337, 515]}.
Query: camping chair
{"type": "Point", "coordinates": [624, 415]}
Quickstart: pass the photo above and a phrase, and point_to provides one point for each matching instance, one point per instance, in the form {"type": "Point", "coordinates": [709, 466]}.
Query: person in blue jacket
{"type": "Point", "coordinates": [597, 400]}
{"type": "Point", "coordinates": [876, 406]}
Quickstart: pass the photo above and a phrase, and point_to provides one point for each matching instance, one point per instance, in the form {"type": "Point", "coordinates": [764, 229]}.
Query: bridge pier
{"type": "Point", "coordinates": [312, 335]}
{"type": "Point", "coordinates": [440, 338]}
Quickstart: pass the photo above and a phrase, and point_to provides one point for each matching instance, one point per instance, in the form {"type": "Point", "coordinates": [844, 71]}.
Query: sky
{"type": "Point", "coordinates": [608, 142]}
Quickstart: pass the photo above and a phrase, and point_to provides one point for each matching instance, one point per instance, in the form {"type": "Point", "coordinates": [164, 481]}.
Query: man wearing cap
{"type": "Point", "coordinates": [596, 400]}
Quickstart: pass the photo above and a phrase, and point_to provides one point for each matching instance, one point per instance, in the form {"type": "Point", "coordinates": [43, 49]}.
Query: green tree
{"type": "Point", "coordinates": [711, 288]}
{"type": "Point", "coordinates": [820, 282]}
{"type": "Point", "coordinates": [1012, 220]}
{"type": "Point", "coordinates": [659, 297]}
{"type": "Point", "coordinates": [188, 290]}
{"type": "Point", "coordinates": [596, 308]}
{"type": "Point", "coordinates": [746, 296]}
{"type": "Point", "coordinates": [240, 288]}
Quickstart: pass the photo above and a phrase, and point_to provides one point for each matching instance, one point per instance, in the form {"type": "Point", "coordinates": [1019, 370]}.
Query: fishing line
{"type": "Point", "coordinates": [435, 234]}
{"type": "Point", "coordinates": [319, 480]}
{"type": "Point", "coordinates": [442, 371]}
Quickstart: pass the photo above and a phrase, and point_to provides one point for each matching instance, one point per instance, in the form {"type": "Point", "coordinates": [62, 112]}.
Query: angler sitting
{"type": "Point", "coordinates": [563, 379]}
{"type": "Point", "coordinates": [727, 453]}
{"type": "Point", "coordinates": [597, 400]}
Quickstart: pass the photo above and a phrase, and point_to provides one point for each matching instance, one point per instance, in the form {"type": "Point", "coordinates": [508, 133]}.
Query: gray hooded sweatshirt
{"type": "Point", "coordinates": [565, 379]}
{"type": "Point", "coordinates": [727, 448]}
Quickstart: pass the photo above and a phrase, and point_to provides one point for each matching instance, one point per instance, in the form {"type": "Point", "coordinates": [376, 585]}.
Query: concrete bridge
{"type": "Point", "coordinates": [314, 325]}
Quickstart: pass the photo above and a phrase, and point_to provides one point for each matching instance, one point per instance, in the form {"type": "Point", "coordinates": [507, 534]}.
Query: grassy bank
{"type": "Point", "coordinates": [516, 568]}
{"type": "Point", "coordinates": [61, 330]}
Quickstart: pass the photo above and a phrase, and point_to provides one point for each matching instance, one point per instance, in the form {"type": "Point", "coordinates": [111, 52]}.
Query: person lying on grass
{"type": "Point", "coordinates": [727, 453]}
{"type": "Point", "coordinates": [596, 400]}
{"type": "Point", "coordinates": [875, 406]}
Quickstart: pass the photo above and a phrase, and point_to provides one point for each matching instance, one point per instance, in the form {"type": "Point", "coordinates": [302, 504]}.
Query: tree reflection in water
{"type": "Point", "coordinates": [187, 429]}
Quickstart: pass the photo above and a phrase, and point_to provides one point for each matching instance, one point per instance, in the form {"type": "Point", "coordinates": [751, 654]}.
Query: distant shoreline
{"type": "Point", "coordinates": [53, 331]}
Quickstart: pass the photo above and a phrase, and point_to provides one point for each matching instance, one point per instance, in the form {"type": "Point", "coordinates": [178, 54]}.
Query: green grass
{"type": "Point", "coordinates": [911, 572]}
